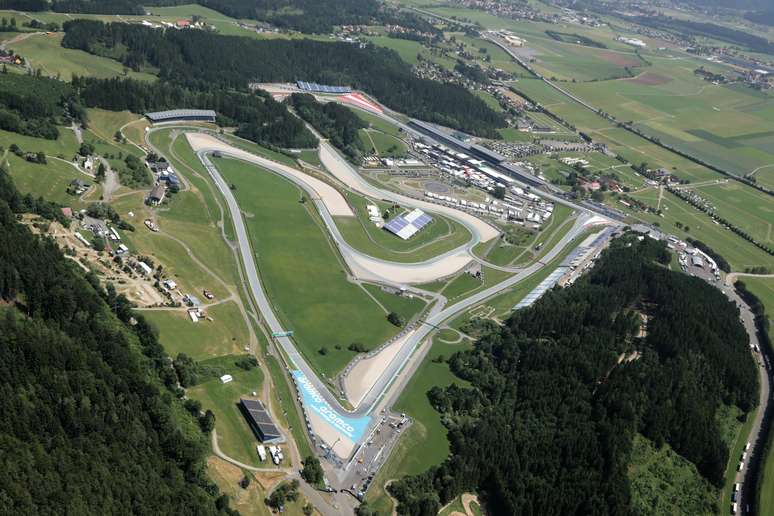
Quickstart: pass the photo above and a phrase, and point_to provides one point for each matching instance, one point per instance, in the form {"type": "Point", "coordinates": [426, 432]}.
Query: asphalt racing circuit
{"type": "Point", "coordinates": [345, 431]}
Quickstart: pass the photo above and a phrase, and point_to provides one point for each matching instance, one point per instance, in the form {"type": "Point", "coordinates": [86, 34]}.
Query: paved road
{"type": "Point", "coordinates": [747, 497]}
{"type": "Point", "coordinates": [264, 305]}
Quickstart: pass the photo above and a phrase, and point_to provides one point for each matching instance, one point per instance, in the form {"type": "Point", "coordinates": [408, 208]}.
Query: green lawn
{"type": "Point", "coordinates": [383, 144]}
{"type": "Point", "coordinates": [44, 51]}
{"type": "Point", "coordinates": [763, 288]}
{"type": "Point", "coordinates": [406, 49]}
{"type": "Point", "coordinates": [227, 334]}
{"type": "Point", "coordinates": [65, 146]}
{"type": "Point", "coordinates": [235, 438]}
{"type": "Point", "coordinates": [49, 181]}
{"type": "Point", "coordinates": [405, 306]}
{"type": "Point", "coordinates": [301, 272]}
{"type": "Point", "coordinates": [438, 237]}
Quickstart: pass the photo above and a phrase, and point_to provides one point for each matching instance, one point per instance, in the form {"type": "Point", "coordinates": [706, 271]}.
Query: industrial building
{"type": "Point", "coordinates": [176, 115]}
{"type": "Point", "coordinates": [260, 421]}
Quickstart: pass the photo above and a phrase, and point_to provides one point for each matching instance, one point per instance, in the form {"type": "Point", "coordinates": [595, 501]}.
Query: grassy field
{"type": "Point", "coordinates": [736, 251]}
{"type": "Point", "coordinates": [49, 181]}
{"type": "Point", "coordinates": [763, 288]}
{"type": "Point", "coordinates": [227, 334]}
{"type": "Point", "coordinates": [735, 435]}
{"type": "Point", "coordinates": [382, 144]}
{"type": "Point", "coordinates": [235, 438]}
{"type": "Point", "coordinates": [406, 307]}
{"type": "Point", "coordinates": [65, 146]}
{"type": "Point", "coordinates": [663, 482]}
{"type": "Point", "coordinates": [406, 49]}
{"type": "Point", "coordinates": [424, 443]}
{"type": "Point", "coordinates": [44, 52]}
{"type": "Point", "coordinates": [735, 132]}
{"type": "Point", "coordinates": [439, 236]}
{"type": "Point", "coordinates": [292, 249]}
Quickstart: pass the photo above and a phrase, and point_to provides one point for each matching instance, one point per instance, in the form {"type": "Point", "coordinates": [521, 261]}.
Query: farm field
{"type": "Point", "coordinates": [728, 126]}
{"type": "Point", "coordinates": [439, 236]}
{"type": "Point", "coordinates": [44, 52]}
{"type": "Point", "coordinates": [226, 334]}
{"type": "Point", "coordinates": [291, 247]}
{"type": "Point", "coordinates": [565, 61]}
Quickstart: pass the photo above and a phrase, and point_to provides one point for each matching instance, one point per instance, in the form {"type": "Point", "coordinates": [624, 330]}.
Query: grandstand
{"type": "Point", "coordinates": [174, 115]}
{"type": "Point", "coordinates": [322, 88]}
{"type": "Point", "coordinates": [406, 226]}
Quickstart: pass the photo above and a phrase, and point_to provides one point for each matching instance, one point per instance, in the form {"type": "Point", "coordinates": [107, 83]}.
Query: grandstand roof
{"type": "Point", "coordinates": [406, 226]}
{"type": "Point", "coordinates": [260, 420]}
{"type": "Point", "coordinates": [181, 114]}
{"type": "Point", "coordinates": [322, 88]}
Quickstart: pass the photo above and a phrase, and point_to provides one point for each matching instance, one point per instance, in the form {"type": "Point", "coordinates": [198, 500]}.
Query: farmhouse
{"type": "Point", "coordinates": [156, 194]}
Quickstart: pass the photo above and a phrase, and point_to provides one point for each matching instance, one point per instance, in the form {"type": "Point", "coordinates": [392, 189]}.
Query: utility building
{"type": "Point", "coordinates": [260, 421]}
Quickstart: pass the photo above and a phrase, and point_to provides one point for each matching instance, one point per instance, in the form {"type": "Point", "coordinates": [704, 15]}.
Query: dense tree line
{"type": "Point", "coordinates": [556, 395]}
{"type": "Point", "coordinates": [97, 6]}
{"type": "Point", "coordinates": [721, 262]}
{"type": "Point", "coordinates": [93, 426]}
{"type": "Point", "coordinates": [258, 116]}
{"type": "Point", "coordinates": [202, 61]}
{"type": "Point", "coordinates": [33, 106]}
{"type": "Point", "coordinates": [25, 5]}
{"type": "Point", "coordinates": [334, 121]}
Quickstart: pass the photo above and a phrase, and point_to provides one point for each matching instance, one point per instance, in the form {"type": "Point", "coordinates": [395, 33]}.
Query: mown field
{"type": "Point", "coordinates": [439, 236]}
{"type": "Point", "coordinates": [301, 272]}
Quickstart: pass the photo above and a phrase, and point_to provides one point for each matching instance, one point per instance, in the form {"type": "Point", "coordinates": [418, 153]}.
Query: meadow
{"type": "Point", "coordinates": [292, 248]}
{"type": "Point", "coordinates": [44, 52]}
{"type": "Point", "coordinates": [235, 438]}
{"type": "Point", "coordinates": [49, 181]}
{"type": "Point", "coordinates": [226, 334]}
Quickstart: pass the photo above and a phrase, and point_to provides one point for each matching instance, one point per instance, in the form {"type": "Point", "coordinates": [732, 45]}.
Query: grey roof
{"type": "Point", "coordinates": [157, 192]}
{"type": "Point", "coordinates": [260, 420]}
{"type": "Point", "coordinates": [172, 114]}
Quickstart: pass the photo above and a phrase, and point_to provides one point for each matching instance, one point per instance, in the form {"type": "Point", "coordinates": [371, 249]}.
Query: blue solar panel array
{"type": "Point", "coordinates": [396, 224]}
{"type": "Point", "coordinates": [422, 221]}
{"type": "Point", "coordinates": [322, 88]}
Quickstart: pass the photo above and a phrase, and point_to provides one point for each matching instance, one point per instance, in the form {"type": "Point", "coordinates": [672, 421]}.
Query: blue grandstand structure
{"type": "Point", "coordinates": [322, 88]}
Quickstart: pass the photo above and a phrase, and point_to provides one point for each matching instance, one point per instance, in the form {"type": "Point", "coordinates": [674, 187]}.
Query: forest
{"type": "Point", "coordinates": [203, 61]}
{"type": "Point", "coordinates": [257, 115]}
{"type": "Point", "coordinates": [33, 106]}
{"type": "Point", "coordinates": [335, 122]}
{"type": "Point", "coordinates": [97, 425]}
{"type": "Point", "coordinates": [557, 394]}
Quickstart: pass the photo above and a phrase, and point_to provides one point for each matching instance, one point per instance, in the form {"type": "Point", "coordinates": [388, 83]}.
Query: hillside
{"type": "Point", "coordinates": [94, 428]}
{"type": "Point", "coordinates": [559, 393]}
